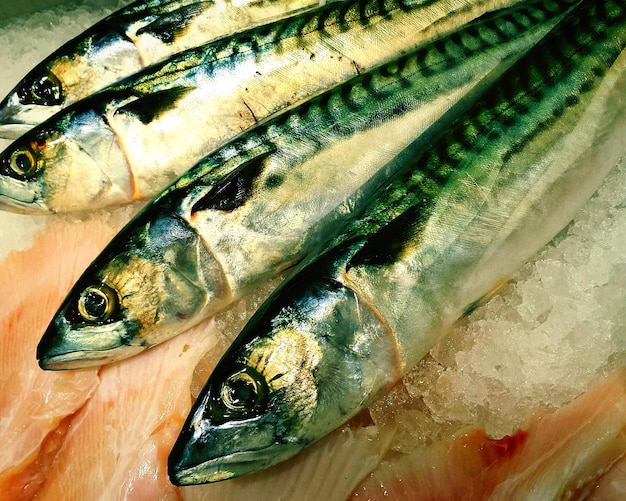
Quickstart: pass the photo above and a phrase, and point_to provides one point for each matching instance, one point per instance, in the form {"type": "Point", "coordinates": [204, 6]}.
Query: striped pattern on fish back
{"type": "Point", "coordinates": [357, 104]}
{"type": "Point", "coordinates": [525, 102]}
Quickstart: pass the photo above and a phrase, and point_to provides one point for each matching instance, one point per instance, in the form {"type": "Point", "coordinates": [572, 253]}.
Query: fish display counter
{"type": "Point", "coordinates": [525, 396]}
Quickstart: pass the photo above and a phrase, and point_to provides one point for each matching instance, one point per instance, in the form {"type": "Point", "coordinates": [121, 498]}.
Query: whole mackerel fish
{"type": "Point", "coordinates": [131, 140]}
{"type": "Point", "coordinates": [143, 33]}
{"type": "Point", "coordinates": [457, 221]}
{"type": "Point", "coordinates": [264, 201]}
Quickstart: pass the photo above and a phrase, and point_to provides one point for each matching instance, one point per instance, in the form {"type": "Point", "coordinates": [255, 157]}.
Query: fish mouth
{"type": "Point", "coordinates": [81, 349]}
{"type": "Point", "coordinates": [17, 119]}
{"type": "Point", "coordinates": [17, 196]}
{"type": "Point", "coordinates": [13, 130]}
{"type": "Point", "coordinates": [11, 126]}
{"type": "Point", "coordinates": [83, 359]}
{"type": "Point", "coordinates": [74, 360]}
{"type": "Point", "coordinates": [204, 453]}
{"type": "Point", "coordinates": [26, 205]}
{"type": "Point", "coordinates": [231, 465]}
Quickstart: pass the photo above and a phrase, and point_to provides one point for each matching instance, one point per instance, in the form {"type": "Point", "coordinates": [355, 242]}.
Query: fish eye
{"type": "Point", "coordinates": [22, 162]}
{"type": "Point", "coordinates": [97, 303]}
{"type": "Point", "coordinates": [240, 391]}
{"type": "Point", "coordinates": [43, 90]}
{"type": "Point", "coordinates": [242, 395]}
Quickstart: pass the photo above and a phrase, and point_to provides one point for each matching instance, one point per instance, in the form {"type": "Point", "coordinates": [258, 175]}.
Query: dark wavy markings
{"type": "Point", "coordinates": [575, 44]}
{"type": "Point", "coordinates": [514, 97]}
{"type": "Point", "coordinates": [340, 16]}
{"type": "Point", "coordinates": [395, 215]}
{"type": "Point", "coordinates": [487, 31]}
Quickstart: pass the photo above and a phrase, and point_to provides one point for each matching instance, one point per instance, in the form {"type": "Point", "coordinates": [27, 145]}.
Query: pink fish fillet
{"type": "Point", "coordinates": [573, 453]}
{"type": "Point", "coordinates": [118, 444]}
{"type": "Point", "coordinates": [34, 404]}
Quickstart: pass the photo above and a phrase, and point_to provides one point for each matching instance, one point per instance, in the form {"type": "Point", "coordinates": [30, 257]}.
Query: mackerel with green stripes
{"type": "Point", "coordinates": [144, 33]}
{"type": "Point", "coordinates": [131, 140]}
{"type": "Point", "coordinates": [457, 221]}
{"type": "Point", "coordinates": [262, 202]}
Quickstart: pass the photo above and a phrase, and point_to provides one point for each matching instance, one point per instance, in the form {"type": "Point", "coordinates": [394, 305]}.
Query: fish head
{"type": "Point", "coordinates": [249, 415]}
{"type": "Point", "coordinates": [37, 97]}
{"type": "Point", "coordinates": [71, 162]}
{"type": "Point", "coordinates": [154, 280]}
{"type": "Point", "coordinates": [299, 369]}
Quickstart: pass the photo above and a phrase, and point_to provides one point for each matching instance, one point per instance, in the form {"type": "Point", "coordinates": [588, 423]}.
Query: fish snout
{"type": "Point", "coordinates": [81, 348]}
{"type": "Point", "coordinates": [11, 130]}
{"type": "Point", "coordinates": [207, 451]}
{"type": "Point", "coordinates": [11, 126]}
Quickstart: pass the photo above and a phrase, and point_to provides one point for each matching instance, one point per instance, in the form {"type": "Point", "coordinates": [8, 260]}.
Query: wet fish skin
{"type": "Point", "coordinates": [262, 202]}
{"type": "Point", "coordinates": [467, 212]}
{"type": "Point", "coordinates": [222, 88]}
{"type": "Point", "coordinates": [125, 42]}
